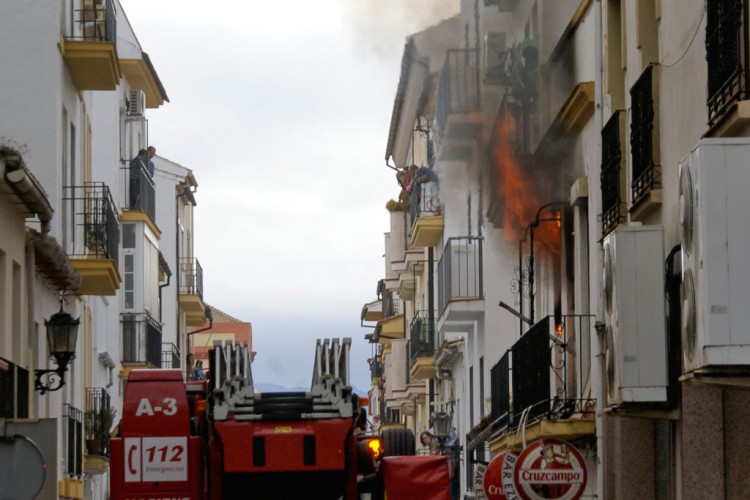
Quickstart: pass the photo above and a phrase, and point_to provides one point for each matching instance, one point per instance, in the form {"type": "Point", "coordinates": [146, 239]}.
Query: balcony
{"type": "Point", "coordinates": [95, 211]}
{"type": "Point", "coordinates": [170, 355]}
{"type": "Point", "coordinates": [725, 54]}
{"type": "Point", "coordinates": [376, 370]}
{"type": "Point", "coordinates": [73, 441]}
{"type": "Point", "coordinates": [613, 179]}
{"type": "Point", "coordinates": [426, 217]}
{"type": "Point", "coordinates": [422, 346]}
{"type": "Point", "coordinates": [460, 285]}
{"type": "Point", "coordinates": [191, 292]}
{"type": "Point", "coordinates": [458, 121]}
{"type": "Point", "coordinates": [141, 341]}
{"type": "Point", "coordinates": [142, 191]}
{"type": "Point", "coordinates": [541, 385]}
{"type": "Point", "coordinates": [644, 144]}
{"type": "Point", "coordinates": [89, 48]}
{"type": "Point", "coordinates": [99, 421]}
{"type": "Point", "coordinates": [389, 328]}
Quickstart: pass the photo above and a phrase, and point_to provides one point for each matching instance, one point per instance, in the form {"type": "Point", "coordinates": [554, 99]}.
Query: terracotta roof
{"type": "Point", "coordinates": [222, 317]}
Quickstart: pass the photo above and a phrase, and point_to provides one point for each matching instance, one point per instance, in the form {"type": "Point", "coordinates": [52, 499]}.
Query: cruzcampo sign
{"type": "Point", "coordinates": [550, 469]}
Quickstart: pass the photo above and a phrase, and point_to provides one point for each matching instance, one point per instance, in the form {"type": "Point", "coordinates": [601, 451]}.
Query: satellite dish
{"type": "Point", "coordinates": [23, 467]}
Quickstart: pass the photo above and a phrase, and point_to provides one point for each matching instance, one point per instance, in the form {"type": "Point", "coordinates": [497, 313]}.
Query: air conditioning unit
{"type": "Point", "coordinates": [495, 58]}
{"type": "Point", "coordinates": [636, 340]}
{"type": "Point", "coordinates": [715, 246]}
{"type": "Point", "coordinates": [136, 102]}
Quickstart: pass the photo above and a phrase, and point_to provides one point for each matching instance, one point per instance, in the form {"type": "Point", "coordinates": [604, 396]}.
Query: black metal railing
{"type": "Point", "coordinates": [458, 89]}
{"type": "Point", "coordinates": [191, 277]}
{"type": "Point", "coordinates": [460, 271]}
{"type": "Point", "coordinates": [142, 191]}
{"type": "Point", "coordinates": [613, 206]}
{"type": "Point", "coordinates": [421, 337]}
{"type": "Point", "coordinates": [725, 55]}
{"type": "Point", "coordinates": [645, 173]}
{"type": "Point", "coordinates": [141, 339]}
{"type": "Point", "coordinates": [376, 369]}
{"type": "Point", "coordinates": [14, 391]}
{"type": "Point", "coordinates": [543, 375]}
{"type": "Point", "coordinates": [500, 393]}
{"type": "Point", "coordinates": [73, 439]}
{"type": "Point", "coordinates": [96, 20]}
{"type": "Point", "coordinates": [96, 212]}
{"type": "Point", "coordinates": [424, 200]}
{"type": "Point", "coordinates": [390, 304]}
{"type": "Point", "coordinates": [99, 420]}
{"type": "Point", "coordinates": [170, 355]}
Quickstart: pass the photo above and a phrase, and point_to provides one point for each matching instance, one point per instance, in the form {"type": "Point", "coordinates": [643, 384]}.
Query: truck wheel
{"type": "Point", "coordinates": [397, 442]}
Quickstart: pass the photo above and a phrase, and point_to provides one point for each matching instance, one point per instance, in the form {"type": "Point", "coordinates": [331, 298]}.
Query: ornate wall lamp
{"type": "Point", "coordinates": [62, 334]}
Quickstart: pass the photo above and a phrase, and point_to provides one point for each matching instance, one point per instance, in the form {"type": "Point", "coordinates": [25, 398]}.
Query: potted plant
{"type": "Point", "coordinates": [98, 424]}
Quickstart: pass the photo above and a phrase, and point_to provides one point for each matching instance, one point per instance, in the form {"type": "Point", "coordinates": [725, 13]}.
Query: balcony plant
{"type": "Point", "coordinates": [402, 205]}
{"type": "Point", "coordinates": [98, 424]}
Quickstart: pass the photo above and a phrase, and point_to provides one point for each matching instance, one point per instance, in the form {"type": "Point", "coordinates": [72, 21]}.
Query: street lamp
{"type": "Point", "coordinates": [442, 425]}
{"type": "Point", "coordinates": [62, 334]}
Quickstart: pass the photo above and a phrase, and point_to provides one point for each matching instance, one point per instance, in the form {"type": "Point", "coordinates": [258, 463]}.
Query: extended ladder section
{"type": "Point", "coordinates": [330, 394]}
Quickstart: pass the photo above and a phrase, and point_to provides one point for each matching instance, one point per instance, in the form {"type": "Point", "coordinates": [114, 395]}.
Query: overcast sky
{"type": "Point", "coordinates": [282, 109]}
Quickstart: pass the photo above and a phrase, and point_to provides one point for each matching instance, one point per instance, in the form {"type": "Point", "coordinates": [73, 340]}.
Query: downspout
{"type": "Point", "coordinates": [34, 411]}
{"type": "Point", "coordinates": [597, 384]}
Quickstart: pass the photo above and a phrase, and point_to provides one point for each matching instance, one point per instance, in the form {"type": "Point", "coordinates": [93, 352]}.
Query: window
{"type": "Point", "coordinates": [14, 392]}
{"type": "Point", "coordinates": [725, 53]}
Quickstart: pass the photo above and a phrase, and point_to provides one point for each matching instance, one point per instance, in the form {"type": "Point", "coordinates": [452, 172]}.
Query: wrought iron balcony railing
{"type": "Point", "coordinates": [191, 277]}
{"type": "Point", "coordinates": [613, 205]}
{"type": "Point", "coordinates": [458, 89]}
{"type": "Point", "coordinates": [99, 421]}
{"type": "Point", "coordinates": [170, 355]}
{"type": "Point", "coordinates": [142, 191]}
{"type": "Point", "coordinates": [424, 201]}
{"type": "Point", "coordinates": [646, 175]}
{"type": "Point", "coordinates": [726, 42]}
{"type": "Point", "coordinates": [141, 340]}
{"type": "Point", "coordinates": [96, 212]}
{"type": "Point", "coordinates": [73, 439]}
{"type": "Point", "coordinates": [421, 337]}
{"type": "Point", "coordinates": [460, 271]}
{"type": "Point", "coordinates": [93, 20]}
{"type": "Point", "coordinates": [543, 374]}
{"type": "Point", "coordinates": [376, 369]}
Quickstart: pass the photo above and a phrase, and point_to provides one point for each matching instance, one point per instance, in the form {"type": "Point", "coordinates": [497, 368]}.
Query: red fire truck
{"type": "Point", "coordinates": [219, 438]}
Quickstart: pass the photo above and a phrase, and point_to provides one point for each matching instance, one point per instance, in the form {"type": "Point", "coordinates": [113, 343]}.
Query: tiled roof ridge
{"type": "Point", "coordinates": [222, 317]}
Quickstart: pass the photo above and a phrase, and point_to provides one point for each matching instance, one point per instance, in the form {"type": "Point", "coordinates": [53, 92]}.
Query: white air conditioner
{"type": "Point", "coordinates": [636, 343]}
{"type": "Point", "coordinates": [136, 102]}
{"type": "Point", "coordinates": [495, 58]}
{"type": "Point", "coordinates": [715, 241]}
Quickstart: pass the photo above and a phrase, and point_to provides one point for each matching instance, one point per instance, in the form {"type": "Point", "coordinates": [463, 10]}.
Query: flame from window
{"type": "Point", "coordinates": [516, 187]}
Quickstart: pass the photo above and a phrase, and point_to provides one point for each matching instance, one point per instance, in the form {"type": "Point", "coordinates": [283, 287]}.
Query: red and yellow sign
{"type": "Point", "coordinates": [548, 469]}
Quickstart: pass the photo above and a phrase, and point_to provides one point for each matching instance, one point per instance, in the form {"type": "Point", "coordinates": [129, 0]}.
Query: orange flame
{"type": "Point", "coordinates": [516, 188]}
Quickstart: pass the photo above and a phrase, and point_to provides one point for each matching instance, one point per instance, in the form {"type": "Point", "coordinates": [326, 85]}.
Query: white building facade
{"type": "Point", "coordinates": [80, 233]}
{"type": "Point", "coordinates": [582, 275]}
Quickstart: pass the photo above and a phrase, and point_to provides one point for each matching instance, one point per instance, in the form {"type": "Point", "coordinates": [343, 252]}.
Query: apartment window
{"type": "Point", "coordinates": [612, 176]}
{"type": "Point", "coordinates": [725, 55]}
{"type": "Point", "coordinates": [14, 391]}
{"type": "Point", "coordinates": [614, 53]}
{"type": "Point", "coordinates": [644, 135]}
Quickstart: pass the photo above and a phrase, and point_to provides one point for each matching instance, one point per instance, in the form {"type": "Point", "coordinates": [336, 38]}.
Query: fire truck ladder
{"type": "Point", "coordinates": [330, 394]}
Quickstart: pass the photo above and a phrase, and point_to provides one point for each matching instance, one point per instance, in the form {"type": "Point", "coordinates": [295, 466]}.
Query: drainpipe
{"type": "Point", "coordinates": [595, 201]}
